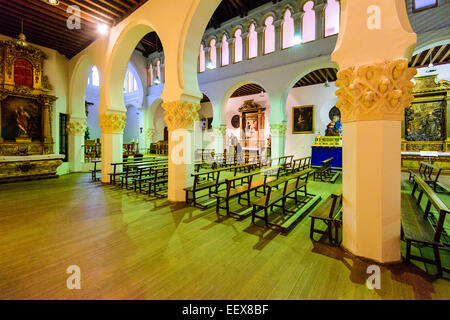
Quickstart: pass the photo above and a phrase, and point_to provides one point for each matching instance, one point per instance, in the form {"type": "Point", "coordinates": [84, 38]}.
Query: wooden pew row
{"type": "Point", "coordinates": [279, 197]}
{"type": "Point", "coordinates": [417, 228]}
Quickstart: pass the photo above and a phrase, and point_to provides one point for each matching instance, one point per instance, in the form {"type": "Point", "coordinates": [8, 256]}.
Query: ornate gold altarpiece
{"type": "Point", "coordinates": [252, 125]}
{"type": "Point", "coordinates": [426, 126]}
{"type": "Point", "coordinates": [25, 112]}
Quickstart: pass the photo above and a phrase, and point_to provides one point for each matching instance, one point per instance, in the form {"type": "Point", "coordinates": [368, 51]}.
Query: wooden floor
{"type": "Point", "coordinates": [131, 247]}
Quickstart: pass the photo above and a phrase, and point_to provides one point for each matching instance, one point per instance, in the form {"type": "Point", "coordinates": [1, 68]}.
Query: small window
{"type": "Point", "coordinates": [225, 51]}
{"type": "Point", "coordinates": [269, 35]}
{"type": "Point", "coordinates": [95, 77]}
{"type": "Point", "coordinates": [252, 42]}
{"type": "Point", "coordinates": [238, 45]}
{"type": "Point", "coordinates": [288, 30]}
{"type": "Point", "coordinates": [309, 22]}
{"type": "Point", "coordinates": [419, 5]}
{"type": "Point", "coordinates": [332, 12]}
{"type": "Point", "coordinates": [201, 59]}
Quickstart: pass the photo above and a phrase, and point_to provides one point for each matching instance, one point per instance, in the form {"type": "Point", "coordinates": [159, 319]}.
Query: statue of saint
{"type": "Point", "coordinates": [431, 126]}
{"type": "Point", "coordinates": [334, 128]}
{"type": "Point", "coordinates": [22, 121]}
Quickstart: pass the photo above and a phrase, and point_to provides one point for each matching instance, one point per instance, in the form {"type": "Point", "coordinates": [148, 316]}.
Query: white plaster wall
{"type": "Point", "coordinates": [323, 100]}
{"type": "Point", "coordinates": [206, 111]}
{"type": "Point", "coordinates": [443, 71]}
{"type": "Point", "coordinates": [131, 131]}
{"type": "Point", "coordinates": [159, 124]}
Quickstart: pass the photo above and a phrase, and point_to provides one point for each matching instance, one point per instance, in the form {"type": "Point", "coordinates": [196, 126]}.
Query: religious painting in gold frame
{"type": "Point", "coordinates": [303, 119]}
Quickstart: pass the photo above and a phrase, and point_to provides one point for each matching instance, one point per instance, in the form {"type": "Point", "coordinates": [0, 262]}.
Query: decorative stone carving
{"type": "Point", "coordinates": [377, 91]}
{"type": "Point", "coordinates": [219, 132]}
{"type": "Point", "coordinates": [180, 114]}
{"type": "Point", "coordinates": [150, 133]}
{"type": "Point", "coordinates": [278, 129]}
{"type": "Point", "coordinates": [112, 122]}
{"type": "Point", "coordinates": [76, 127]}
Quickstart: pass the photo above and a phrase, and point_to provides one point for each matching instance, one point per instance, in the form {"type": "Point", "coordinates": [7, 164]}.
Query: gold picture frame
{"type": "Point", "coordinates": [303, 119]}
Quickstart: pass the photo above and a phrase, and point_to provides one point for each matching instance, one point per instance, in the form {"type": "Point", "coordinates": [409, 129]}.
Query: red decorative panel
{"type": "Point", "coordinates": [23, 73]}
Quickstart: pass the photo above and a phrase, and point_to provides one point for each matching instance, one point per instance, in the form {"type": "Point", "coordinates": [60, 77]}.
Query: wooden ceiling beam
{"type": "Point", "coordinates": [438, 53]}
{"type": "Point", "coordinates": [426, 58]}
{"type": "Point", "coordinates": [103, 8]}
{"type": "Point", "coordinates": [444, 57]}
{"type": "Point", "coordinates": [100, 17]}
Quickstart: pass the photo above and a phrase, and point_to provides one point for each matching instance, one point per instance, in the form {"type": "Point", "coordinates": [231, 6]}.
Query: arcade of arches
{"type": "Point", "coordinates": [273, 152]}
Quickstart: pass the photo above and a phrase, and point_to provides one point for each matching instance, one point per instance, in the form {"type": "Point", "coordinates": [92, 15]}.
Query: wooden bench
{"type": "Point", "coordinates": [115, 174]}
{"type": "Point", "coordinates": [274, 195]}
{"type": "Point", "coordinates": [160, 176]}
{"type": "Point", "coordinates": [211, 182]}
{"type": "Point", "coordinates": [429, 173]}
{"type": "Point", "coordinates": [95, 170]}
{"type": "Point", "coordinates": [329, 212]}
{"type": "Point", "coordinates": [417, 228]}
{"type": "Point", "coordinates": [301, 164]}
{"type": "Point", "coordinates": [137, 171]}
{"type": "Point", "coordinates": [243, 191]}
{"type": "Point", "coordinates": [325, 173]}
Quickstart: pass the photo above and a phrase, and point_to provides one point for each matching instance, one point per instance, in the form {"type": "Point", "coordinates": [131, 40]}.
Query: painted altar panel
{"type": "Point", "coordinates": [21, 116]}
{"type": "Point", "coordinates": [425, 121]}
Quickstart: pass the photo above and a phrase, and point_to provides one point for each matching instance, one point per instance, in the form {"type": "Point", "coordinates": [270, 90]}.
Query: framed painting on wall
{"type": "Point", "coordinates": [303, 119]}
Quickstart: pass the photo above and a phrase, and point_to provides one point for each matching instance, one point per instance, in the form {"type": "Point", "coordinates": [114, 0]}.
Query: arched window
{"type": "Point", "coordinates": [225, 51]}
{"type": "Point", "coordinates": [332, 18]}
{"type": "Point", "coordinates": [238, 45]}
{"type": "Point", "coordinates": [201, 59]}
{"type": "Point", "coordinates": [309, 22]}
{"type": "Point", "coordinates": [95, 77]}
{"type": "Point", "coordinates": [269, 35]}
{"type": "Point", "coordinates": [288, 29]}
{"type": "Point", "coordinates": [130, 84]}
{"type": "Point", "coordinates": [252, 42]}
{"type": "Point", "coordinates": [213, 53]}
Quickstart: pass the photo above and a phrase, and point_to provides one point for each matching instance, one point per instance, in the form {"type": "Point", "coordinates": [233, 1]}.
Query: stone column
{"type": "Point", "coordinates": [112, 125]}
{"type": "Point", "coordinates": [76, 130]}
{"type": "Point", "coordinates": [260, 32]}
{"type": "Point", "coordinates": [218, 55]}
{"type": "Point", "coordinates": [47, 104]}
{"type": "Point", "coordinates": [374, 88]}
{"type": "Point", "coordinates": [231, 50]}
{"type": "Point", "coordinates": [278, 136]}
{"type": "Point", "coordinates": [244, 46]}
{"type": "Point", "coordinates": [180, 117]}
{"type": "Point", "coordinates": [298, 23]}
{"type": "Point", "coordinates": [278, 34]}
{"type": "Point", "coordinates": [319, 10]}
{"type": "Point", "coordinates": [219, 138]}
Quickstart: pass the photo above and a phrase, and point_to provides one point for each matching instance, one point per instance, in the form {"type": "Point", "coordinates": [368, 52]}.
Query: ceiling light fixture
{"type": "Point", "coordinates": [210, 66]}
{"type": "Point", "coordinates": [51, 2]}
{"type": "Point", "coordinates": [157, 81]}
{"type": "Point", "coordinates": [297, 40]}
{"type": "Point", "coordinates": [102, 28]}
{"type": "Point", "coordinates": [431, 68]}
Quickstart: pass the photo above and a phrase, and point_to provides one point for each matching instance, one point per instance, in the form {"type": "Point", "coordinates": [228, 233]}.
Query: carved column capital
{"type": "Point", "coordinates": [180, 114]}
{"type": "Point", "coordinates": [278, 129]}
{"type": "Point", "coordinates": [150, 133]}
{"type": "Point", "coordinates": [112, 122]}
{"type": "Point", "coordinates": [220, 132]}
{"type": "Point", "coordinates": [76, 126]}
{"type": "Point", "coordinates": [376, 91]}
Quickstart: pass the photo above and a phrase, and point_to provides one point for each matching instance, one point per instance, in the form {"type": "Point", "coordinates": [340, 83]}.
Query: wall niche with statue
{"type": "Point", "coordinates": [25, 103]}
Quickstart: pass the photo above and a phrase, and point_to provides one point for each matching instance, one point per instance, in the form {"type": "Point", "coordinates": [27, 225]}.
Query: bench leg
{"type": "Point", "coordinates": [253, 214]}
{"type": "Point", "coordinates": [408, 251]}
{"type": "Point", "coordinates": [311, 231]}
{"type": "Point", "coordinates": [330, 229]}
{"type": "Point", "coordinates": [266, 217]}
{"type": "Point", "coordinates": [437, 259]}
